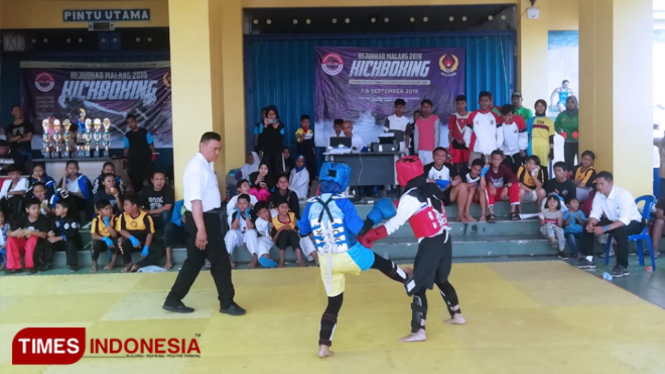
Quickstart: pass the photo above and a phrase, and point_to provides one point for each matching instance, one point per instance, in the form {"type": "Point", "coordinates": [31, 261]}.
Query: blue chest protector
{"type": "Point", "coordinates": [328, 227]}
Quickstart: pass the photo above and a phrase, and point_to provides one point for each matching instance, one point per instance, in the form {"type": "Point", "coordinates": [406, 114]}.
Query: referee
{"type": "Point", "coordinates": [202, 201]}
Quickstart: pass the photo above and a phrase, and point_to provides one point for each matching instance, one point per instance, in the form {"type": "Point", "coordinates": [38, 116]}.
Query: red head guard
{"type": "Point", "coordinates": [407, 168]}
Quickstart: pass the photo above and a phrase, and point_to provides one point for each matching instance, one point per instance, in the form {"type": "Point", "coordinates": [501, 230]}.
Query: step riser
{"type": "Point", "coordinates": [501, 209]}
{"type": "Point", "coordinates": [396, 252]}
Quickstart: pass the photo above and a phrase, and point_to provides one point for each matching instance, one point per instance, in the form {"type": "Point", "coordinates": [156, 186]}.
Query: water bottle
{"type": "Point", "coordinates": [607, 276]}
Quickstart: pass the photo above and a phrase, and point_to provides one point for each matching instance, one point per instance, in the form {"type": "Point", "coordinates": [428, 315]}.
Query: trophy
{"type": "Point", "coordinates": [46, 139]}
{"type": "Point", "coordinates": [87, 136]}
{"type": "Point", "coordinates": [97, 135]}
{"type": "Point", "coordinates": [57, 136]}
{"type": "Point", "coordinates": [107, 136]}
{"type": "Point", "coordinates": [66, 137]}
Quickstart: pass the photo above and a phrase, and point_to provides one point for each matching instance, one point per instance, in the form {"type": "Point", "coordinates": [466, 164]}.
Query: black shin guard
{"type": "Point", "coordinates": [329, 319]}
{"type": "Point", "coordinates": [418, 312]}
{"type": "Point", "coordinates": [389, 268]}
{"type": "Point", "coordinates": [449, 296]}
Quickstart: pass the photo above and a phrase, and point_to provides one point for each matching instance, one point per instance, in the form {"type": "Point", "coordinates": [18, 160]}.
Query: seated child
{"type": "Point", "coordinates": [282, 192]}
{"type": "Point", "coordinates": [39, 192]}
{"type": "Point", "coordinates": [551, 224]}
{"type": "Point", "coordinates": [12, 191]}
{"type": "Point", "coordinates": [532, 180]}
{"type": "Point", "coordinates": [137, 230]}
{"type": "Point", "coordinates": [110, 193]}
{"type": "Point", "coordinates": [473, 180]}
{"type": "Point", "coordinates": [573, 220]}
{"type": "Point", "coordinates": [109, 168]}
{"type": "Point", "coordinates": [27, 235]}
{"type": "Point", "coordinates": [285, 233]}
{"type": "Point", "coordinates": [157, 199]}
{"type": "Point", "coordinates": [501, 184]}
{"type": "Point", "coordinates": [64, 234]}
{"type": "Point", "coordinates": [263, 225]}
{"type": "Point", "coordinates": [39, 176]}
{"type": "Point", "coordinates": [262, 183]}
{"type": "Point", "coordinates": [174, 232]}
{"type": "Point", "coordinates": [78, 187]}
{"type": "Point", "coordinates": [299, 180]}
{"type": "Point", "coordinates": [103, 235]}
{"type": "Point", "coordinates": [243, 188]}
{"type": "Point", "coordinates": [241, 224]}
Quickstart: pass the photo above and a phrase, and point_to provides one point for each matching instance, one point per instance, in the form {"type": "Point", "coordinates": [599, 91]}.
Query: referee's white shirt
{"type": "Point", "coordinates": [200, 183]}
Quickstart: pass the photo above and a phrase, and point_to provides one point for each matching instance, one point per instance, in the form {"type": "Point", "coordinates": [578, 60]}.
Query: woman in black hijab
{"type": "Point", "coordinates": [272, 138]}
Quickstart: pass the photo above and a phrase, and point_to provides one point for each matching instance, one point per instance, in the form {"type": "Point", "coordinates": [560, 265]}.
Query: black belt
{"type": "Point", "coordinates": [211, 211]}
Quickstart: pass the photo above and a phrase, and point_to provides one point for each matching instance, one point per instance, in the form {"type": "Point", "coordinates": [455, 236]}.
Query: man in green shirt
{"type": "Point", "coordinates": [521, 111]}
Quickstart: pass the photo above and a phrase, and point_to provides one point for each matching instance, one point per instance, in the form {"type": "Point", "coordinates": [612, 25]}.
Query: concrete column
{"type": "Point", "coordinates": [616, 89]}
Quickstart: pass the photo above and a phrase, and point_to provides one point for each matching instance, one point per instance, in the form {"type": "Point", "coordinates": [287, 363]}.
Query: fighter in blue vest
{"type": "Point", "coordinates": [421, 206]}
{"type": "Point", "coordinates": [334, 223]}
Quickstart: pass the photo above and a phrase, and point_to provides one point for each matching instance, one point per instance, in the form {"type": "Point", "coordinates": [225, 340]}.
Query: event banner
{"type": "Point", "coordinates": [361, 85]}
{"type": "Point", "coordinates": [111, 91]}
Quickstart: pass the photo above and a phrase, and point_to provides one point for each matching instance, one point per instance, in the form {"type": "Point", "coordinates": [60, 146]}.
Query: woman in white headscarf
{"type": "Point", "coordinates": [299, 180]}
{"type": "Point", "coordinates": [251, 166]}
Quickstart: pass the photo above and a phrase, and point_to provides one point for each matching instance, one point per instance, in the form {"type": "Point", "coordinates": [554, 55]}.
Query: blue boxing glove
{"type": "Point", "coordinates": [107, 221]}
{"type": "Point", "coordinates": [443, 184]}
{"type": "Point", "coordinates": [484, 170]}
{"type": "Point", "coordinates": [237, 212]}
{"type": "Point", "coordinates": [383, 209]}
{"type": "Point", "coordinates": [135, 242]}
{"type": "Point", "coordinates": [108, 241]}
{"type": "Point", "coordinates": [144, 252]}
{"type": "Point", "coordinates": [248, 212]}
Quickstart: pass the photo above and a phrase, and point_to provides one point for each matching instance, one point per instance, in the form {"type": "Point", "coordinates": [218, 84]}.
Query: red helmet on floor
{"type": "Point", "coordinates": [407, 168]}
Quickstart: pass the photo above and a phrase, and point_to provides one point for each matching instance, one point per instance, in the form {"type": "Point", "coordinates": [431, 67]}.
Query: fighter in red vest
{"type": "Point", "coordinates": [421, 205]}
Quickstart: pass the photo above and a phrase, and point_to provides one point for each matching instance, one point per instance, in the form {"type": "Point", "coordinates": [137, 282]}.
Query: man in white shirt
{"type": "Point", "coordinates": [397, 122]}
{"type": "Point", "coordinates": [614, 211]}
{"type": "Point", "coordinates": [202, 201]}
{"type": "Point", "coordinates": [357, 143]}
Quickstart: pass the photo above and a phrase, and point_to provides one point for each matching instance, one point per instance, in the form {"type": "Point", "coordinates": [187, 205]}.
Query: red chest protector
{"type": "Point", "coordinates": [428, 222]}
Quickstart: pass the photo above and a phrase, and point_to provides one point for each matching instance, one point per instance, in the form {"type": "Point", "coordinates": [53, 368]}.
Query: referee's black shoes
{"type": "Point", "coordinates": [233, 310]}
{"type": "Point", "coordinates": [177, 307]}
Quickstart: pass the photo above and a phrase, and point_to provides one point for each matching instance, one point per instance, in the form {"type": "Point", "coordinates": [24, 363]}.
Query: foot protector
{"type": "Point", "coordinates": [267, 263]}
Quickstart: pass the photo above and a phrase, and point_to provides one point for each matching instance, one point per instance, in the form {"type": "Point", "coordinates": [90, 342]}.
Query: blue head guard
{"type": "Point", "coordinates": [334, 177]}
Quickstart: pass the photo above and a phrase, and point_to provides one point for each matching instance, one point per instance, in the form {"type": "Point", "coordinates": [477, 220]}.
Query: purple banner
{"type": "Point", "coordinates": [361, 85]}
{"type": "Point", "coordinates": [110, 91]}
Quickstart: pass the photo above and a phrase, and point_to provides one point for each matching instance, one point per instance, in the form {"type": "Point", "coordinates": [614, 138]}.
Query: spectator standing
{"type": "Point", "coordinates": [8, 157]}
{"type": "Point", "coordinates": [520, 110]}
{"type": "Point", "coordinates": [139, 152]}
{"type": "Point", "coordinates": [459, 152]}
{"type": "Point", "coordinates": [202, 200]}
{"type": "Point", "coordinates": [258, 129]}
{"type": "Point", "coordinates": [614, 211]}
{"type": "Point", "coordinates": [411, 131]}
{"type": "Point", "coordinates": [541, 133]}
{"type": "Point", "coordinates": [515, 138]}
{"type": "Point", "coordinates": [19, 134]}
{"type": "Point", "coordinates": [305, 143]}
{"type": "Point", "coordinates": [397, 123]}
{"type": "Point", "coordinates": [483, 136]}
{"type": "Point", "coordinates": [567, 124]}
{"type": "Point", "coordinates": [272, 139]}
{"type": "Point", "coordinates": [427, 132]}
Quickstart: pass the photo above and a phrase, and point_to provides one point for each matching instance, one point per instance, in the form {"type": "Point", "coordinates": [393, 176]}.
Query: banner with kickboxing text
{"type": "Point", "coordinates": [361, 84]}
{"type": "Point", "coordinates": [113, 91]}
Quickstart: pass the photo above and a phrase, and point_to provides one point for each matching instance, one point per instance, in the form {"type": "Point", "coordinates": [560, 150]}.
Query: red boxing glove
{"type": "Point", "coordinates": [373, 235]}
{"type": "Point", "coordinates": [154, 157]}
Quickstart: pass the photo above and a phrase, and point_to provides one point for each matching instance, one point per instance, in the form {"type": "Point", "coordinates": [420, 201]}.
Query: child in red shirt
{"type": "Point", "coordinates": [501, 183]}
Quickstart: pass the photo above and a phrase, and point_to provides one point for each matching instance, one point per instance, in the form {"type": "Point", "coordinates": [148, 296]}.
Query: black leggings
{"type": "Point", "coordinates": [288, 239]}
{"type": "Point", "coordinates": [329, 317]}
{"type": "Point", "coordinates": [570, 150]}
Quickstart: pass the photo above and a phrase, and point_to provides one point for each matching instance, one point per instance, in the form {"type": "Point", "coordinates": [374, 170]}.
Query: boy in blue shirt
{"type": "Point", "coordinates": [573, 220]}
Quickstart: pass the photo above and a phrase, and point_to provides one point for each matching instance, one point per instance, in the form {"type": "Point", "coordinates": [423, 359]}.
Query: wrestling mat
{"type": "Point", "coordinates": [524, 317]}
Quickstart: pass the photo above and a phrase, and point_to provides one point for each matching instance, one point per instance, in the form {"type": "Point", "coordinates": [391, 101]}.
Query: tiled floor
{"type": "Point", "coordinates": [523, 317]}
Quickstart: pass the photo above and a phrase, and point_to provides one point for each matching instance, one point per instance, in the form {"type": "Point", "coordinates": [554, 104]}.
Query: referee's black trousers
{"type": "Point", "coordinates": [215, 252]}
